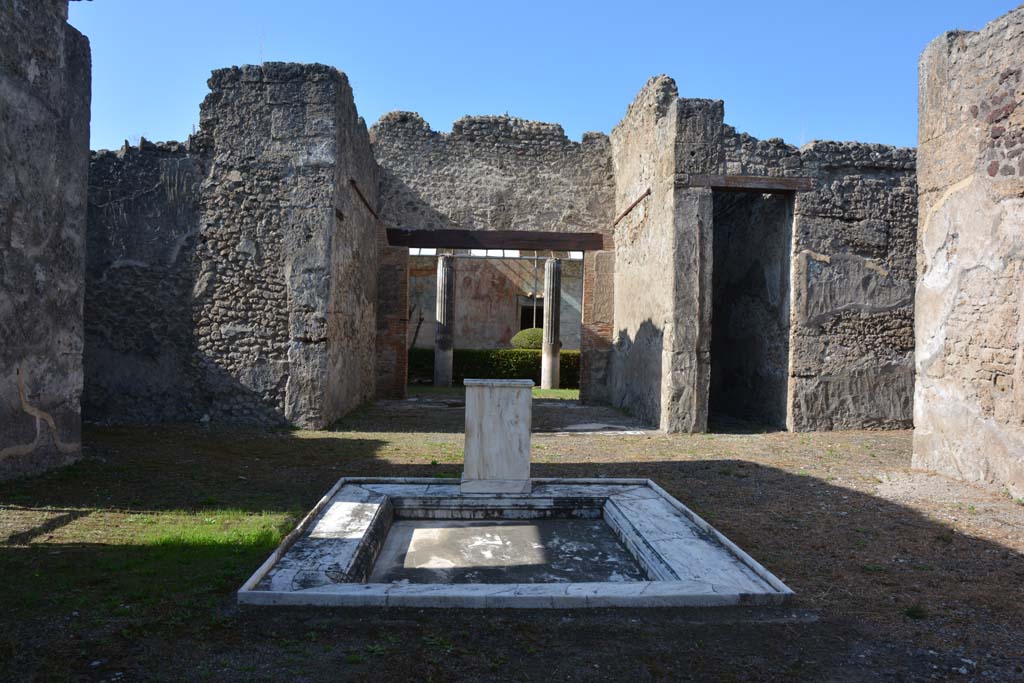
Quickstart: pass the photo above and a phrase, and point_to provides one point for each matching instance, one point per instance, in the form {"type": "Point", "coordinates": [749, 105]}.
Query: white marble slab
{"type": "Point", "coordinates": [499, 415]}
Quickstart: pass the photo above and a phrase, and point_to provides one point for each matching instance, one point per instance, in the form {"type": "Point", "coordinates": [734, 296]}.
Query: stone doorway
{"type": "Point", "coordinates": [750, 318]}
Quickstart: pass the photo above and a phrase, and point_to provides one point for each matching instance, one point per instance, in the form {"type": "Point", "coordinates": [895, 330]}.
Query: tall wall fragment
{"type": "Point", "coordinates": [235, 278]}
{"type": "Point", "coordinates": [660, 368]}
{"type": "Point", "coordinates": [141, 364]}
{"type": "Point", "coordinates": [45, 81]}
{"type": "Point", "coordinates": [969, 322]}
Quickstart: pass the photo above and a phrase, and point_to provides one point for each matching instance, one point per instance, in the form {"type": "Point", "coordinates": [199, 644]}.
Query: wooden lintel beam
{"type": "Point", "coordinates": [526, 240]}
{"type": "Point", "coordinates": [746, 183]}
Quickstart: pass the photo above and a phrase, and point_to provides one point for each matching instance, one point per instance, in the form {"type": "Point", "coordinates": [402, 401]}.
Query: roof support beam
{"type": "Point", "coordinates": [746, 183]}
{"type": "Point", "coordinates": [526, 240]}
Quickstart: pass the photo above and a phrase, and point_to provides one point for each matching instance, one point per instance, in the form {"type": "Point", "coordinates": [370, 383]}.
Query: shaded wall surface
{"type": "Point", "coordinates": [245, 261]}
{"type": "Point", "coordinates": [852, 278]}
{"type": "Point", "coordinates": [488, 295]}
{"type": "Point", "coordinates": [45, 76]}
{"type": "Point", "coordinates": [140, 353]}
{"type": "Point", "coordinates": [969, 323]}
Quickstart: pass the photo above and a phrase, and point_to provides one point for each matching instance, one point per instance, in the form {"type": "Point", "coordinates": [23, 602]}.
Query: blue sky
{"type": "Point", "coordinates": [797, 70]}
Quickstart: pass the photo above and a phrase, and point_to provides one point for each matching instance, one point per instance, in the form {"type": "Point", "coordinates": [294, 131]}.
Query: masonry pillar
{"type": "Point", "coordinates": [445, 320]}
{"type": "Point", "coordinates": [549, 364]}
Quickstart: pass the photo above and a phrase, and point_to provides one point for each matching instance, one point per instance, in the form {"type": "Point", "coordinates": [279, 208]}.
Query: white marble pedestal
{"type": "Point", "coordinates": [499, 414]}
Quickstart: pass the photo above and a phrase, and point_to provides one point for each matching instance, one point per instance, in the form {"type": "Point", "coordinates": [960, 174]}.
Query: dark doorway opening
{"type": "Point", "coordinates": [752, 242]}
{"type": "Point", "coordinates": [531, 313]}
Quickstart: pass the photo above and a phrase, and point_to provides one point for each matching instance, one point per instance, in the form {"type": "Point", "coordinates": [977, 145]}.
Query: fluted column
{"type": "Point", "coordinates": [443, 337]}
{"type": "Point", "coordinates": [549, 364]}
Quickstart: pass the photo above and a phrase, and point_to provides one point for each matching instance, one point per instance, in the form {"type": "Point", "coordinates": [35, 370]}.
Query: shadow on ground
{"type": "Point", "coordinates": [883, 591]}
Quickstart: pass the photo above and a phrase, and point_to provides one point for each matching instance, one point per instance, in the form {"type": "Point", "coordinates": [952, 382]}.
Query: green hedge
{"type": "Point", "coordinates": [530, 338]}
{"type": "Point", "coordinates": [495, 364]}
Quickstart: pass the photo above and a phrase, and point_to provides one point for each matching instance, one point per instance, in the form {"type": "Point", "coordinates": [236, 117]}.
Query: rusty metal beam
{"type": "Point", "coordinates": [632, 206]}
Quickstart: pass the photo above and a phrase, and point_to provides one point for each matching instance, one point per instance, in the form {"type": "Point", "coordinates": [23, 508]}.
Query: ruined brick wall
{"type": "Point", "coordinates": [660, 364]}
{"type": "Point", "coordinates": [852, 262]}
{"type": "Point", "coordinates": [45, 78]}
{"type": "Point", "coordinates": [141, 364]}
{"type": "Point", "coordinates": [969, 312]}
{"type": "Point", "coordinates": [488, 294]}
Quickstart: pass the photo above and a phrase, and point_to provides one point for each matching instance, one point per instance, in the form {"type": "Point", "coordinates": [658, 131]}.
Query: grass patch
{"type": "Point", "coordinates": [559, 394]}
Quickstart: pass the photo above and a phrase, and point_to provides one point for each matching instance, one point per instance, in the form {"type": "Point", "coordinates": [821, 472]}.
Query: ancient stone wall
{"type": "Point", "coordinates": [969, 312]}
{"type": "Point", "coordinates": [284, 302]}
{"type": "Point", "coordinates": [488, 296]}
{"type": "Point", "coordinates": [852, 345]}
{"type": "Point", "coordinates": [141, 364]}
{"type": "Point", "coordinates": [660, 368]}
{"type": "Point", "coordinates": [492, 173]}
{"type": "Point", "coordinates": [501, 173]}
{"type": "Point", "coordinates": [851, 325]}
{"type": "Point", "coordinates": [45, 80]}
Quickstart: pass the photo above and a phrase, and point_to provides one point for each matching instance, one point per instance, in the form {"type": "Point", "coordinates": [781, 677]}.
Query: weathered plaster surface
{"type": "Point", "coordinates": [852, 278]}
{"type": "Point", "coordinates": [660, 368]}
{"type": "Point", "coordinates": [969, 323]}
{"type": "Point", "coordinates": [45, 79]}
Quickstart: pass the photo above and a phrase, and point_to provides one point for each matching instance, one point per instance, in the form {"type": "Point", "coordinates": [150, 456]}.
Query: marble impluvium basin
{"type": "Point", "coordinates": [565, 543]}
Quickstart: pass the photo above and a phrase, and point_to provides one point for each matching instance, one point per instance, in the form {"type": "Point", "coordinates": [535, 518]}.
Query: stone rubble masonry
{"type": "Point", "coordinates": [234, 278]}
{"type": "Point", "coordinates": [299, 310]}
{"type": "Point", "coordinates": [852, 278]}
{"type": "Point", "coordinates": [660, 365]}
{"type": "Point", "coordinates": [492, 173]}
{"type": "Point", "coordinates": [969, 312]}
{"type": "Point", "coordinates": [285, 296]}
{"type": "Point", "coordinates": [45, 89]}
{"type": "Point", "coordinates": [141, 364]}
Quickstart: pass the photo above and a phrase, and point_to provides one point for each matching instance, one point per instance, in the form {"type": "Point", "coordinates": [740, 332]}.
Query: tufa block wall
{"type": "Point", "coordinates": [45, 78]}
{"type": "Point", "coordinates": [969, 313]}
